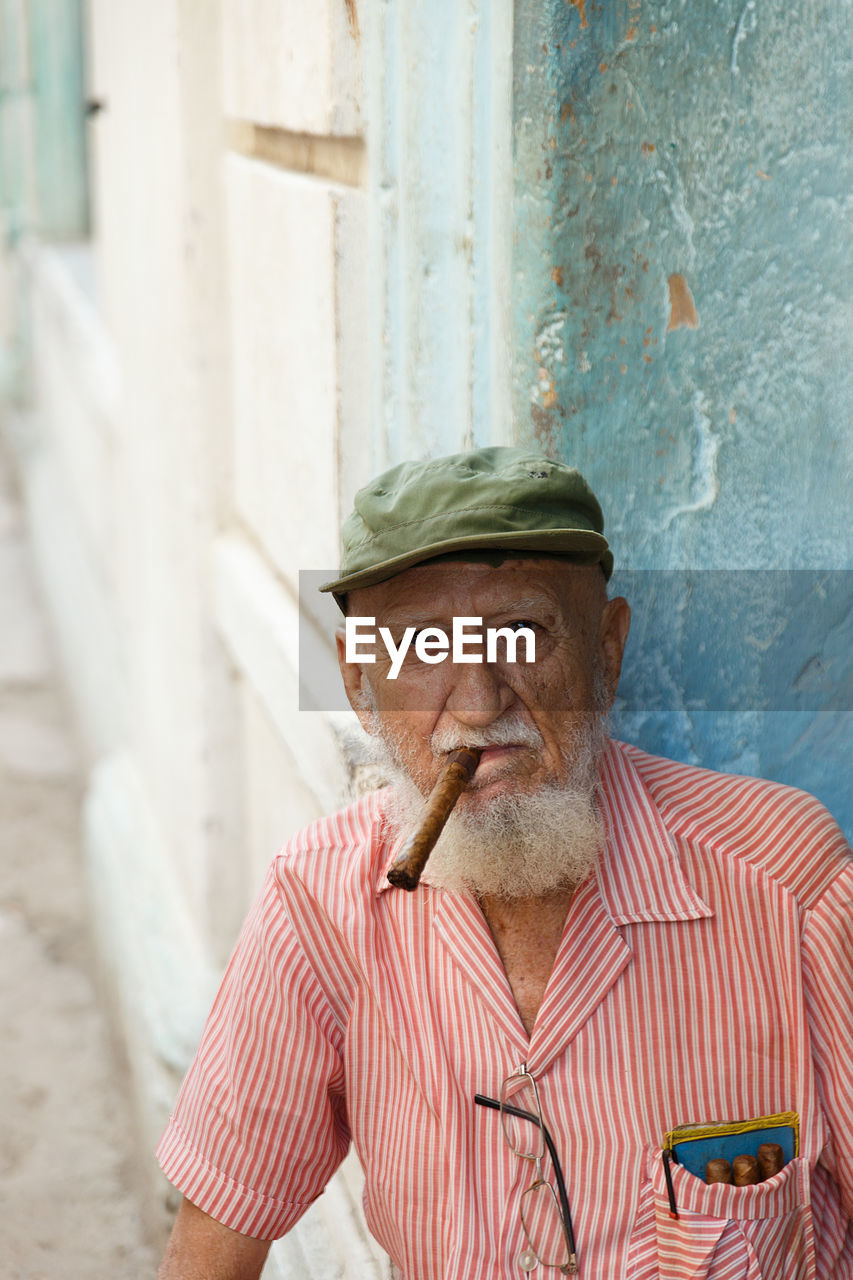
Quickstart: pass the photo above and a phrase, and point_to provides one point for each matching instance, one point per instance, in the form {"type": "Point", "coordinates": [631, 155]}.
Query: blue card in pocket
{"type": "Point", "coordinates": [693, 1145]}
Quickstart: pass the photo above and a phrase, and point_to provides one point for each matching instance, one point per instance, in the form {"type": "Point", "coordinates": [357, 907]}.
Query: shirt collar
{"type": "Point", "coordinates": [640, 877]}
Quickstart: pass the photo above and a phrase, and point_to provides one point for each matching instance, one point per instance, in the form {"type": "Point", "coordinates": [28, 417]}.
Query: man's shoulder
{"type": "Point", "coordinates": [342, 852]}
{"type": "Point", "coordinates": [786, 832]}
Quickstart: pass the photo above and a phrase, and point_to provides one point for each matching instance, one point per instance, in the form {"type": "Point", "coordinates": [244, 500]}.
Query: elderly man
{"type": "Point", "coordinates": [605, 947]}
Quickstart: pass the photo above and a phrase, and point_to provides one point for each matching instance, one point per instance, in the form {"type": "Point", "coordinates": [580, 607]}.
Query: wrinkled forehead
{"type": "Point", "coordinates": [481, 581]}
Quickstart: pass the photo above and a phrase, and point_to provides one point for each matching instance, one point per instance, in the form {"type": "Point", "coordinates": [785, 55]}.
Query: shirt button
{"type": "Point", "coordinates": [527, 1260]}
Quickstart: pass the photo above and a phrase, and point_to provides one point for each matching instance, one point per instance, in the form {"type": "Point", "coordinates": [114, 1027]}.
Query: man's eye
{"type": "Point", "coordinates": [518, 623]}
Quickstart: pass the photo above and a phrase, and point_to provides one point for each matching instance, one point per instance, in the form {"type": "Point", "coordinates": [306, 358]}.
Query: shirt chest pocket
{"type": "Point", "coordinates": [740, 1233]}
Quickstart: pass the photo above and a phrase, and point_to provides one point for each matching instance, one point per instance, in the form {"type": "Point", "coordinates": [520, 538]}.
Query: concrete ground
{"type": "Point", "coordinates": [68, 1205]}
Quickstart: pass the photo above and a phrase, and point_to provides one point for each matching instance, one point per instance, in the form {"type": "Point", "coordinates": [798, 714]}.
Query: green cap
{"type": "Point", "coordinates": [489, 499]}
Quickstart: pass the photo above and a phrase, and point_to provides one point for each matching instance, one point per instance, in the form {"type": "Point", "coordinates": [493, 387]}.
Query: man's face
{"type": "Point", "coordinates": [530, 712]}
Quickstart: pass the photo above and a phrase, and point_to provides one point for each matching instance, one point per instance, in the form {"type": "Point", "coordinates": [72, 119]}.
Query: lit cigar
{"type": "Point", "coordinates": [745, 1171]}
{"type": "Point", "coordinates": [771, 1158]}
{"type": "Point", "coordinates": [718, 1170]}
{"type": "Point", "coordinates": [452, 781]}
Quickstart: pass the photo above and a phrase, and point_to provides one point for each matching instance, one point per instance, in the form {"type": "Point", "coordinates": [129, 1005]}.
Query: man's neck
{"type": "Point", "coordinates": [527, 933]}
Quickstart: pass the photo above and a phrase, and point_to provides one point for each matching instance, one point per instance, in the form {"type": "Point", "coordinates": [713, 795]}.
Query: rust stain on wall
{"type": "Point", "coordinates": [352, 18]}
{"type": "Point", "coordinates": [580, 5]}
{"type": "Point", "coordinates": [682, 308]}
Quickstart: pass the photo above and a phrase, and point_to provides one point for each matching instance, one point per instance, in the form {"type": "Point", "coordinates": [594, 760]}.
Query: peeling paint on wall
{"type": "Point", "coordinates": [705, 485]}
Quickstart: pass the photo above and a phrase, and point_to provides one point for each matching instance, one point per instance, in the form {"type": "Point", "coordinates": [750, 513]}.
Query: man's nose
{"type": "Point", "coordinates": [479, 694]}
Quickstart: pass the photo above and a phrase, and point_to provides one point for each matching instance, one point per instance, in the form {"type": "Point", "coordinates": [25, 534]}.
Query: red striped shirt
{"type": "Point", "coordinates": [704, 975]}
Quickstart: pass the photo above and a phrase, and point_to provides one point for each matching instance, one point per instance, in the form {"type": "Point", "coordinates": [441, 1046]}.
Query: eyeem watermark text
{"type": "Point", "coordinates": [433, 644]}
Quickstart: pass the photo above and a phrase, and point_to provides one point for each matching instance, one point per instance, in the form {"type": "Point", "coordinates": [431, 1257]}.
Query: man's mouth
{"type": "Point", "coordinates": [499, 751]}
{"type": "Point", "coordinates": [495, 759]}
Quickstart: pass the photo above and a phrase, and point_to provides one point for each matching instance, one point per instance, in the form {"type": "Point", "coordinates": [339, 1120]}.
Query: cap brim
{"type": "Point", "coordinates": [584, 545]}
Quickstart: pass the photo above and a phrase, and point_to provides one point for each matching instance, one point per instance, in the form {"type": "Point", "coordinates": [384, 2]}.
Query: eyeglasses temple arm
{"type": "Point", "coordinates": [493, 1105]}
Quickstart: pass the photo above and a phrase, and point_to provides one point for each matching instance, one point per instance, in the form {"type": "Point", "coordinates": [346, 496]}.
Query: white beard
{"type": "Point", "coordinates": [523, 845]}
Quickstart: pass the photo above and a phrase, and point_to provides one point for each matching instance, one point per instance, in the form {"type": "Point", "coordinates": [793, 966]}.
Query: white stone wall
{"type": "Point", "coordinates": [193, 393]}
{"type": "Point", "coordinates": [213, 376]}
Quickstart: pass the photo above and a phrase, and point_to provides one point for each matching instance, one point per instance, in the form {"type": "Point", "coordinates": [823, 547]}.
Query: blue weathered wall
{"type": "Point", "coordinates": [682, 317]}
{"type": "Point", "coordinates": [43, 151]}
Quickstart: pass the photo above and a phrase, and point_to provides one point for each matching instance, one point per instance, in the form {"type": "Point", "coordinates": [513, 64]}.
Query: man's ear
{"type": "Point", "coordinates": [612, 635]}
{"type": "Point", "coordinates": [355, 684]}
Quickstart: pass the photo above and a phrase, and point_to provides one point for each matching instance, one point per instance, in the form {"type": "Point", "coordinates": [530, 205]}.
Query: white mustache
{"type": "Point", "coordinates": [510, 731]}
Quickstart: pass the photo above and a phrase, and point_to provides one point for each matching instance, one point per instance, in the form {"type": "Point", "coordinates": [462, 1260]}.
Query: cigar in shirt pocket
{"type": "Point", "coordinates": [771, 1159]}
{"type": "Point", "coordinates": [745, 1171]}
{"type": "Point", "coordinates": [718, 1170]}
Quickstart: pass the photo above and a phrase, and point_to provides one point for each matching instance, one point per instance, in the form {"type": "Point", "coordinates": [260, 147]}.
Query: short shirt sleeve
{"type": "Point", "coordinates": [828, 973]}
{"type": "Point", "coordinates": [259, 1126]}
